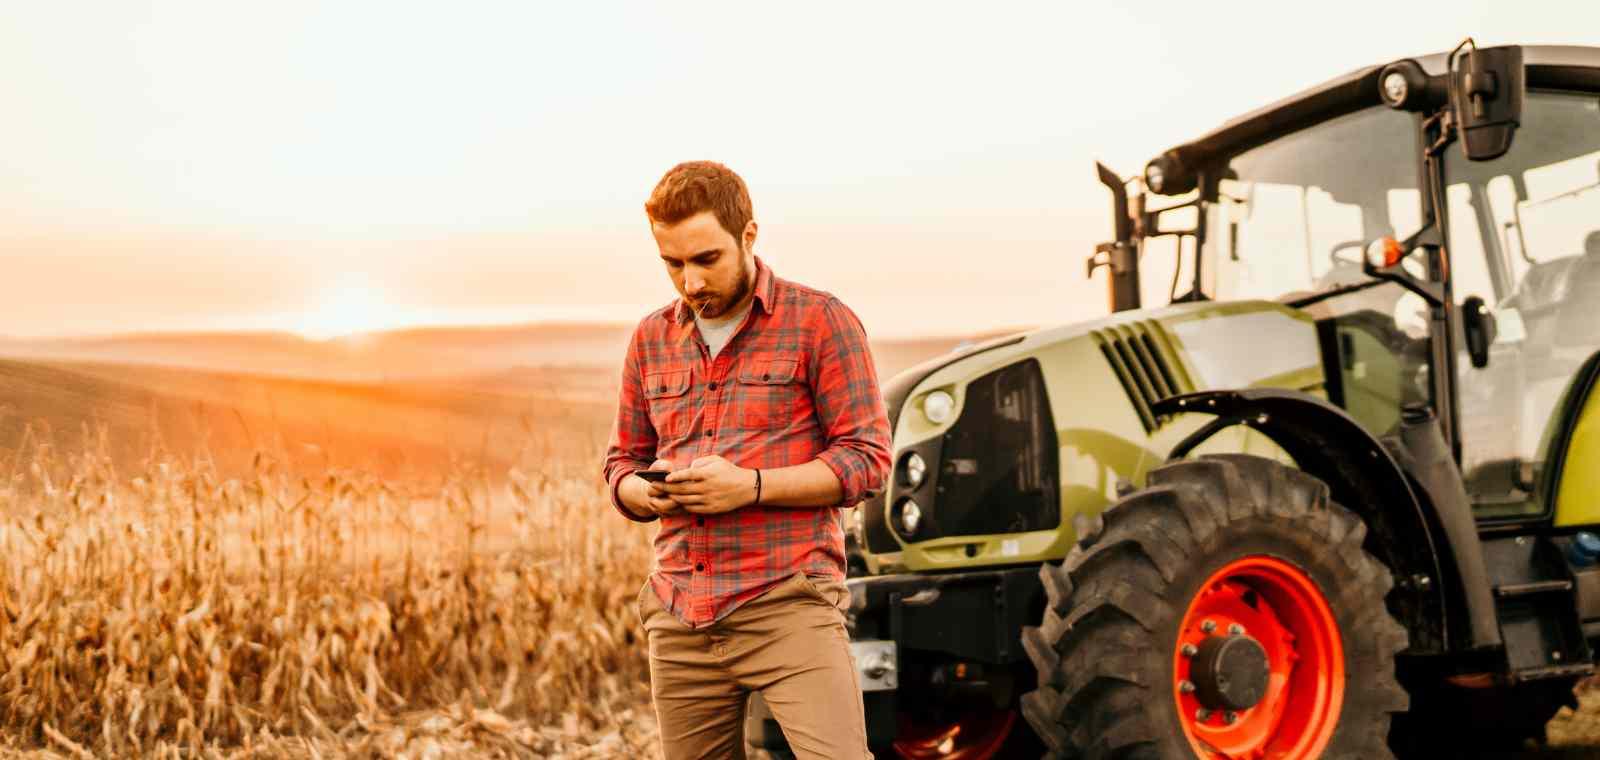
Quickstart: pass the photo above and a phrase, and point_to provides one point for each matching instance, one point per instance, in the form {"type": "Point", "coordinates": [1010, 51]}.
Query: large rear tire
{"type": "Point", "coordinates": [1227, 606]}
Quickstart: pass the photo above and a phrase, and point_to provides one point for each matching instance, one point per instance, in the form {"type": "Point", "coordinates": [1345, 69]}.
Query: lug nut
{"type": "Point", "coordinates": [1202, 715]}
{"type": "Point", "coordinates": [1230, 717]}
{"type": "Point", "coordinates": [1186, 686]}
{"type": "Point", "coordinates": [1208, 626]}
{"type": "Point", "coordinates": [1189, 650]}
{"type": "Point", "coordinates": [1235, 629]}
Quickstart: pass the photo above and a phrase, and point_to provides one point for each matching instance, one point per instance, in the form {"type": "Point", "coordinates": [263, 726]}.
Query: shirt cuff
{"type": "Point", "coordinates": [850, 471]}
{"type": "Point", "coordinates": [616, 498]}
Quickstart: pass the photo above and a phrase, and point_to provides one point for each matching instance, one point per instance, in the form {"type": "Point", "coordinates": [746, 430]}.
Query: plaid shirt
{"type": "Point", "coordinates": [795, 383]}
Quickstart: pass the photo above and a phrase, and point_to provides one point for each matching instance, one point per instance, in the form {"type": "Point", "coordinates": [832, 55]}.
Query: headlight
{"type": "Point", "coordinates": [938, 406]}
{"type": "Point", "coordinates": [910, 516]}
{"type": "Point", "coordinates": [1395, 88]}
{"type": "Point", "coordinates": [913, 470]}
{"type": "Point", "coordinates": [1155, 177]}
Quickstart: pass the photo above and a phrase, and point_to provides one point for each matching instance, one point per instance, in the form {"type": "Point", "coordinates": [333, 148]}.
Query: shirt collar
{"type": "Point", "coordinates": [765, 291]}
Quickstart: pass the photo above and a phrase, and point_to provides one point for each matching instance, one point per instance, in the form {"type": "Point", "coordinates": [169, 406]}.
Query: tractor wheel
{"type": "Point", "coordinates": [1228, 610]}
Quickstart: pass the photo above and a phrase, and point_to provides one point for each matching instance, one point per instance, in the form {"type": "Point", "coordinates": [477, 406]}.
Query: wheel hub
{"type": "Point", "coordinates": [1230, 672]}
{"type": "Point", "coordinates": [1259, 666]}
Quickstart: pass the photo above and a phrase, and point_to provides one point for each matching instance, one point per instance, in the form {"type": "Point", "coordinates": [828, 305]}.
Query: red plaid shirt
{"type": "Point", "coordinates": [795, 383]}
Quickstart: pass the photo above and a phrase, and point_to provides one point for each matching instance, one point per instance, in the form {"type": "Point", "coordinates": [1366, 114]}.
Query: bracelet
{"type": "Point", "coordinates": [757, 502]}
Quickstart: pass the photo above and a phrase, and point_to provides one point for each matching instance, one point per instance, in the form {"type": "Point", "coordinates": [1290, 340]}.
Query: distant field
{"type": "Point", "coordinates": [403, 405]}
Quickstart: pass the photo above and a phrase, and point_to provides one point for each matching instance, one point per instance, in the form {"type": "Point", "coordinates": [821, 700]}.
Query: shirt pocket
{"type": "Point", "coordinates": [667, 394]}
{"type": "Point", "coordinates": [769, 391]}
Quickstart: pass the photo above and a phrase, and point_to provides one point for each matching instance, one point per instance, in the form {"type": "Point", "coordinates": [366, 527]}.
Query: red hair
{"type": "Point", "coordinates": [696, 186]}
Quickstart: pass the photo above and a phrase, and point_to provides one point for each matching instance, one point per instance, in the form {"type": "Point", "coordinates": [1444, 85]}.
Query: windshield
{"type": "Point", "coordinates": [1293, 216]}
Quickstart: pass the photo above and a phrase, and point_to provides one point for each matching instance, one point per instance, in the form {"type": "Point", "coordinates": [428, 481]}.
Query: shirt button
{"type": "Point", "coordinates": [699, 521]}
{"type": "Point", "coordinates": [699, 567]}
{"type": "Point", "coordinates": [712, 386]}
{"type": "Point", "coordinates": [765, 376]}
{"type": "Point", "coordinates": [708, 433]}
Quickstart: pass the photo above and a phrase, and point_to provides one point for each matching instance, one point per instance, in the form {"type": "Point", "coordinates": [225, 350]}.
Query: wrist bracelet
{"type": "Point", "coordinates": [757, 502]}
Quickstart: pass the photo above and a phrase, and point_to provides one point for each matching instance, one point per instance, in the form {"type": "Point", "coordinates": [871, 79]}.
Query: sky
{"type": "Point", "coordinates": [330, 166]}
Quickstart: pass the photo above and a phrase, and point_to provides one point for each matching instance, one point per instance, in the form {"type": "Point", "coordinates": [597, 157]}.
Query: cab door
{"type": "Point", "coordinates": [1523, 233]}
{"type": "Point", "coordinates": [1575, 452]}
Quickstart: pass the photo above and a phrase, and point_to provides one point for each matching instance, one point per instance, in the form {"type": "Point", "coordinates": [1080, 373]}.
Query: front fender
{"type": "Point", "coordinates": [1409, 531]}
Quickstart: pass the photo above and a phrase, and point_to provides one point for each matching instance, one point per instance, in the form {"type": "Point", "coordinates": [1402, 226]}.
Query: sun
{"type": "Point", "coordinates": [347, 308]}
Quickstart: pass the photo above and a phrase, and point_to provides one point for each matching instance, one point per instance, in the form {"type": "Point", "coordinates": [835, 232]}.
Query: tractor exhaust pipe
{"type": "Point", "coordinates": [1120, 255]}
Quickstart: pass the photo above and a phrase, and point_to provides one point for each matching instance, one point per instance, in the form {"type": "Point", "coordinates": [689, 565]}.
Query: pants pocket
{"type": "Point", "coordinates": [641, 596]}
{"type": "Point", "coordinates": [825, 590]}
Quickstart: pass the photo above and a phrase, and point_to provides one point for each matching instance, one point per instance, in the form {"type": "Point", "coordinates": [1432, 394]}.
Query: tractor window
{"type": "Point", "coordinates": [1294, 215]}
{"type": "Point", "coordinates": [1525, 235]}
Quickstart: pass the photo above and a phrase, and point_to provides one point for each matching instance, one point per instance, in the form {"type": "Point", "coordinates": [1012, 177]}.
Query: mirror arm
{"type": "Point", "coordinates": [1445, 120]}
{"type": "Point", "coordinates": [1432, 292]}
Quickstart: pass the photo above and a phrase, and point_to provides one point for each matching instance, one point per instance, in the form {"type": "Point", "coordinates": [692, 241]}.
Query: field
{"type": "Point", "coordinates": [227, 559]}
{"type": "Point", "coordinates": [276, 551]}
{"type": "Point", "coordinates": [297, 610]}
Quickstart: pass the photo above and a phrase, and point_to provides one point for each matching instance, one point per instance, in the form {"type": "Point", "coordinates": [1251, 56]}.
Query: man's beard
{"type": "Point", "coordinates": [717, 307]}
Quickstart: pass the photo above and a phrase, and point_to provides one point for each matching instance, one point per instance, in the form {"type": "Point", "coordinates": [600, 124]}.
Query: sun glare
{"type": "Point", "coordinates": [346, 309]}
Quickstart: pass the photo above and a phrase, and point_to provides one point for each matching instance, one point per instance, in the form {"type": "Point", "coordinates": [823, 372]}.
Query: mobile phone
{"type": "Point", "coordinates": [654, 476]}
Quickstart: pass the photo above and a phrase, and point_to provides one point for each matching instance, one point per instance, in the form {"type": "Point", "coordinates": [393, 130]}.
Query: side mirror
{"type": "Point", "coordinates": [1477, 322]}
{"type": "Point", "coordinates": [1486, 89]}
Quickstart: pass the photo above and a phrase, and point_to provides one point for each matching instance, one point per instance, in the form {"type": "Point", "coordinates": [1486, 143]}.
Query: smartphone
{"type": "Point", "coordinates": [654, 476]}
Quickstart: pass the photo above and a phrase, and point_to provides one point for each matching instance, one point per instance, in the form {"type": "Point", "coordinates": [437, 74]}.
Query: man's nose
{"type": "Point", "coordinates": [693, 283]}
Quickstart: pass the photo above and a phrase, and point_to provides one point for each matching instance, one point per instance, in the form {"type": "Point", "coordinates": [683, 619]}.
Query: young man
{"type": "Point", "coordinates": [760, 397]}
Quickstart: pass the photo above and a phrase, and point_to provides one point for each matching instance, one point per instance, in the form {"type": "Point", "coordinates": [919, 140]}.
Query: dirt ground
{"type": "Point", "coordinates": [1574, 733]}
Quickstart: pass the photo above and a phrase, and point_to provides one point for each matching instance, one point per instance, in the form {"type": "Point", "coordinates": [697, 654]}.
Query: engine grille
{"type": "Point", "coordinates": [1138, 354]}
{"type": "Point", "coordinates": [999, 463]}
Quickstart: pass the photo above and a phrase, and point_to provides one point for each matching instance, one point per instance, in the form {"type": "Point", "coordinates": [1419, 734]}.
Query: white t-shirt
{"type": "Point", "coordinates": [716, 332]}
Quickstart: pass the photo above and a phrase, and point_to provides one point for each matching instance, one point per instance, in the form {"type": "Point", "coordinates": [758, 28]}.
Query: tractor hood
{"type": "Point", "coordinates": [1034, 428]}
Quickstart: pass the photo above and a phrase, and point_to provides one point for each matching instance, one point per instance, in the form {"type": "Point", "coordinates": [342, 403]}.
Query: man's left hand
{"type": "Point", "coordinates": [712, 485]}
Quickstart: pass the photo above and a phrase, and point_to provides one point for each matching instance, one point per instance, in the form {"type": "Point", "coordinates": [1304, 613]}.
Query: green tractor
{"type": "Point", "coordinates": [1325, 484]}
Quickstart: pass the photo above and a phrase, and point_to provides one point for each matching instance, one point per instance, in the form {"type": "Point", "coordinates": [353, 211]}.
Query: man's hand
{"type": "Point", "coordinates": [652, 498]}
{"type": "Point", "coordinates": [711, 486]}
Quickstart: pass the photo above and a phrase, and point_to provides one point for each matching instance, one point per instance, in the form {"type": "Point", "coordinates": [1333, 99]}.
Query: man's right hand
{"type": "Point", "coordinates": [645, 499]}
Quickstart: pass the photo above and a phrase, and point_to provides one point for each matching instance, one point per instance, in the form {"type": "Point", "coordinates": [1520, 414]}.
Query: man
{"type": "Point", "coordinates": [760, 397]}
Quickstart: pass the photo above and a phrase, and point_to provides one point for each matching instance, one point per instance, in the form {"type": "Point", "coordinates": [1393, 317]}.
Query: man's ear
{"type": "Point", "coordinates": [749, 236]}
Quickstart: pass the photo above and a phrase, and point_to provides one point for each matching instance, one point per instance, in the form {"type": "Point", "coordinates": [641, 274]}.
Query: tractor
{"type": "Point", "coordinates": [1324, 484]}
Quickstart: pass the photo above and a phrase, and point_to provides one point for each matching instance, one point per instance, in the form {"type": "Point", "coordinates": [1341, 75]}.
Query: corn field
{"type": "Point", "coordinates": [174, 611]}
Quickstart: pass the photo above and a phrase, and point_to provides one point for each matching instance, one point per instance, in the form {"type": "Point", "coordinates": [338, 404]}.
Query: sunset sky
{"type": "Point", "coordinates": [326, 166]}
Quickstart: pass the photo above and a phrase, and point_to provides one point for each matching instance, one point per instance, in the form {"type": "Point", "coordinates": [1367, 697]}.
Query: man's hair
{"type": "Point", "coordinates": [695, 186]}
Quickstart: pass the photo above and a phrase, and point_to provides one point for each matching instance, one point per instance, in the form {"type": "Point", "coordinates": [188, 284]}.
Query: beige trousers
{"type": "Point", "coordinates": [789, 644]}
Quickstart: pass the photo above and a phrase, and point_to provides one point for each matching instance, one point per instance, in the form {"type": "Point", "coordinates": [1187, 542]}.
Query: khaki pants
{"type": "Point", "coordinates": [789, 644]}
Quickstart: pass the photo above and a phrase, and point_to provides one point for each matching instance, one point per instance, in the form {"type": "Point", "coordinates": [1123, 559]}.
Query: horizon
{"type": "Point", "coordinates": [440, 326]}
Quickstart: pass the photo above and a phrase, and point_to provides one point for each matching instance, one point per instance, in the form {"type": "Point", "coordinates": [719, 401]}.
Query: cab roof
{"type": "Point", "coordinates": [1559, 67]}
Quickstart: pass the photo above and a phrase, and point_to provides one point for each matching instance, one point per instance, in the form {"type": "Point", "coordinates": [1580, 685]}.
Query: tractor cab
{"type": "Point", "coordinates": [1453, 275]}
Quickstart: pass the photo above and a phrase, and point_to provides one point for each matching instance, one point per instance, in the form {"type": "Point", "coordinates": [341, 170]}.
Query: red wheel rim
{"type": "Point", "coordinates": [975, 736]}
{"type": "Point", "coordinates": [1277, 605]}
